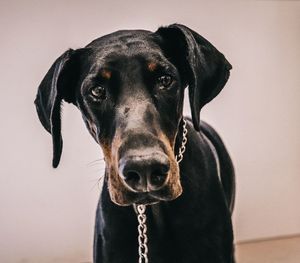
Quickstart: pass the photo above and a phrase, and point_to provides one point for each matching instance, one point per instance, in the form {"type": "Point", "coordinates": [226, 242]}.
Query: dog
{"type": "Point", "coordinates": [129, 86]}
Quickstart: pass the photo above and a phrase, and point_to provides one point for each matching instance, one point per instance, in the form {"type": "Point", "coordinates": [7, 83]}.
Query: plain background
{"type": "Point", "coordinates": [47, 215]}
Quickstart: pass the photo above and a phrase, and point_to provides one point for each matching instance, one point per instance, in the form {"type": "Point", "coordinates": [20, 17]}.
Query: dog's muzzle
{"type": "Point", "coordinates": [147, 170]}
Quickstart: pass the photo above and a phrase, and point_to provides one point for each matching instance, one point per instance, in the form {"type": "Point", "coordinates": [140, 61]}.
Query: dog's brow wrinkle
{"type": "Point", "coordinates": [105, 73]}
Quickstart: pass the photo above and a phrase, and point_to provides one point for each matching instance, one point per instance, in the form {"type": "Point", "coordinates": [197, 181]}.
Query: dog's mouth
{"type": "Point", "coordinates": [150, 198]}
{"type": "Point", "coordinates": [142, 199]}
{"type": "Point", "coordinates": [147, 199]}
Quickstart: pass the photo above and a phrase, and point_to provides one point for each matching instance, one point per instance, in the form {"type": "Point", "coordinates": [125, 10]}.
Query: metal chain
{"type": "Point", "coordinates": [182, 148]}
{"type": "Point", "coordinates": [142, 229]}
{"type": "Point", "coordinates": [141, 209]}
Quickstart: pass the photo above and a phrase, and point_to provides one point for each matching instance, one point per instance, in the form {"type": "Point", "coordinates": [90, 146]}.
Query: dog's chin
{"type": "Point", "coordinates": [150, 198]}
{"type": "Point", "coordinates": [140, 200]}
{"type": "Point", "coordinates": [147, 200]}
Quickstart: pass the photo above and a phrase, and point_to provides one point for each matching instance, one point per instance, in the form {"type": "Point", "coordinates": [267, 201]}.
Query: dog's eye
{"type": "Point", "coordinates": [165, 80]}
{"type": "Point", "coordinates": [98, 92]}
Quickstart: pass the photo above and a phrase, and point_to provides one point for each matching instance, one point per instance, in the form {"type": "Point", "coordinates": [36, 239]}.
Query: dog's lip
{"type": "Point", "coordinates": [149, 198]}
{"type": "Point", "coordinates": [145, 199]}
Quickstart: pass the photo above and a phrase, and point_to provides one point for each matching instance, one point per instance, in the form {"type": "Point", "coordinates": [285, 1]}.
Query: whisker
{"type": "Point", "coordinates": [95, 180]}
{"type": "Point", "coordinates": [95, 161]}
{"type": "Point", "coordinates": [98, 181]}
{"type": "Point", "coordinates": [95, 164]}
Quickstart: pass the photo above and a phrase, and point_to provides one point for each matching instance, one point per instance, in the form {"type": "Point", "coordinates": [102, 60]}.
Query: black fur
{"type": "Point", "coordinates": [196, 226]}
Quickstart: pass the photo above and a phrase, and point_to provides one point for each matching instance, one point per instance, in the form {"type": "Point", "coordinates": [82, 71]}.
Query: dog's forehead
{"type": "Point", "coordinates": [127, 43]}
{"type": "Point", "coordinates": [124, 39]}
{"type": "Point", "coordinates": [117, 49]}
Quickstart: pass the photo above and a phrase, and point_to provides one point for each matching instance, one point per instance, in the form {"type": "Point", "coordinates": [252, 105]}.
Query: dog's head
{"type": "Point", "coordinates": [129, 87]}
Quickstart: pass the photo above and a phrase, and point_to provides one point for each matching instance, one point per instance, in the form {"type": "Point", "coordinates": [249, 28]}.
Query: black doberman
{"type": "Point", "coordinates": [129, 87]}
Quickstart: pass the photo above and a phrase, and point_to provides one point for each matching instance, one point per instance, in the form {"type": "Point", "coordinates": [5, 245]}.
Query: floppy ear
{"type": "Point", "coordinates": [203, 68]}
{"type": "Point", "coordinates": [58, 84]}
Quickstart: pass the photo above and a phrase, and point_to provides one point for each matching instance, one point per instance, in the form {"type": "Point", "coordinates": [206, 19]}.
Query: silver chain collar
{"type": "Point", "coordinates": [141, 209]}
{"type": "Point", "coordinates": [179, 157]}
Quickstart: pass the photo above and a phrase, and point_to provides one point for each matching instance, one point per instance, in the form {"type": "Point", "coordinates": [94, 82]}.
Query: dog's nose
{"type": "Point", "coordinates": [145, 173]}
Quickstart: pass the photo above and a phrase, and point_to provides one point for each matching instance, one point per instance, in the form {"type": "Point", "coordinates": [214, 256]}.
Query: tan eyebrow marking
{"type": "Point", "coordinates": [152, 66]}
{"type": "Point", "coordinates": [106, 73]}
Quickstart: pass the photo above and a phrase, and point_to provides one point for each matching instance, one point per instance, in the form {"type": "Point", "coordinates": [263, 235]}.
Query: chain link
{"type": "Point", "coordinates": [141, 209]}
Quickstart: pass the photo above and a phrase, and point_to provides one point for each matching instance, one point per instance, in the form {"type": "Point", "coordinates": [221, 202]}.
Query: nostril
{"type": "Point", "coordinates": [134, 180]}
{"type": "Point", "coordinates": [132, 176]}
{"type": "Point", "coordinates": [157, 178]}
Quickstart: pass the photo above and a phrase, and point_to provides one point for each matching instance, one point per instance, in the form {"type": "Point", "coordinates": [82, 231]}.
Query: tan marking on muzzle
{"type": "Point", "coordinates": [173, 182]}
{"type": "Point", "coordinates": [118, 192]}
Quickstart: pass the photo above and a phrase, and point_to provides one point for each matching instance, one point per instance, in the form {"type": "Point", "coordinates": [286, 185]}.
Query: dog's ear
{"type": "Point", "coordinates": [58, 84]}
{"type": "Point", "coordinates": [202, 67]}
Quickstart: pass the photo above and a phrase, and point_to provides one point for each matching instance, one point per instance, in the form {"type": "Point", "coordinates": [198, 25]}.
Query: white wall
{"type": "Point", "coordinates": [47, 215]}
